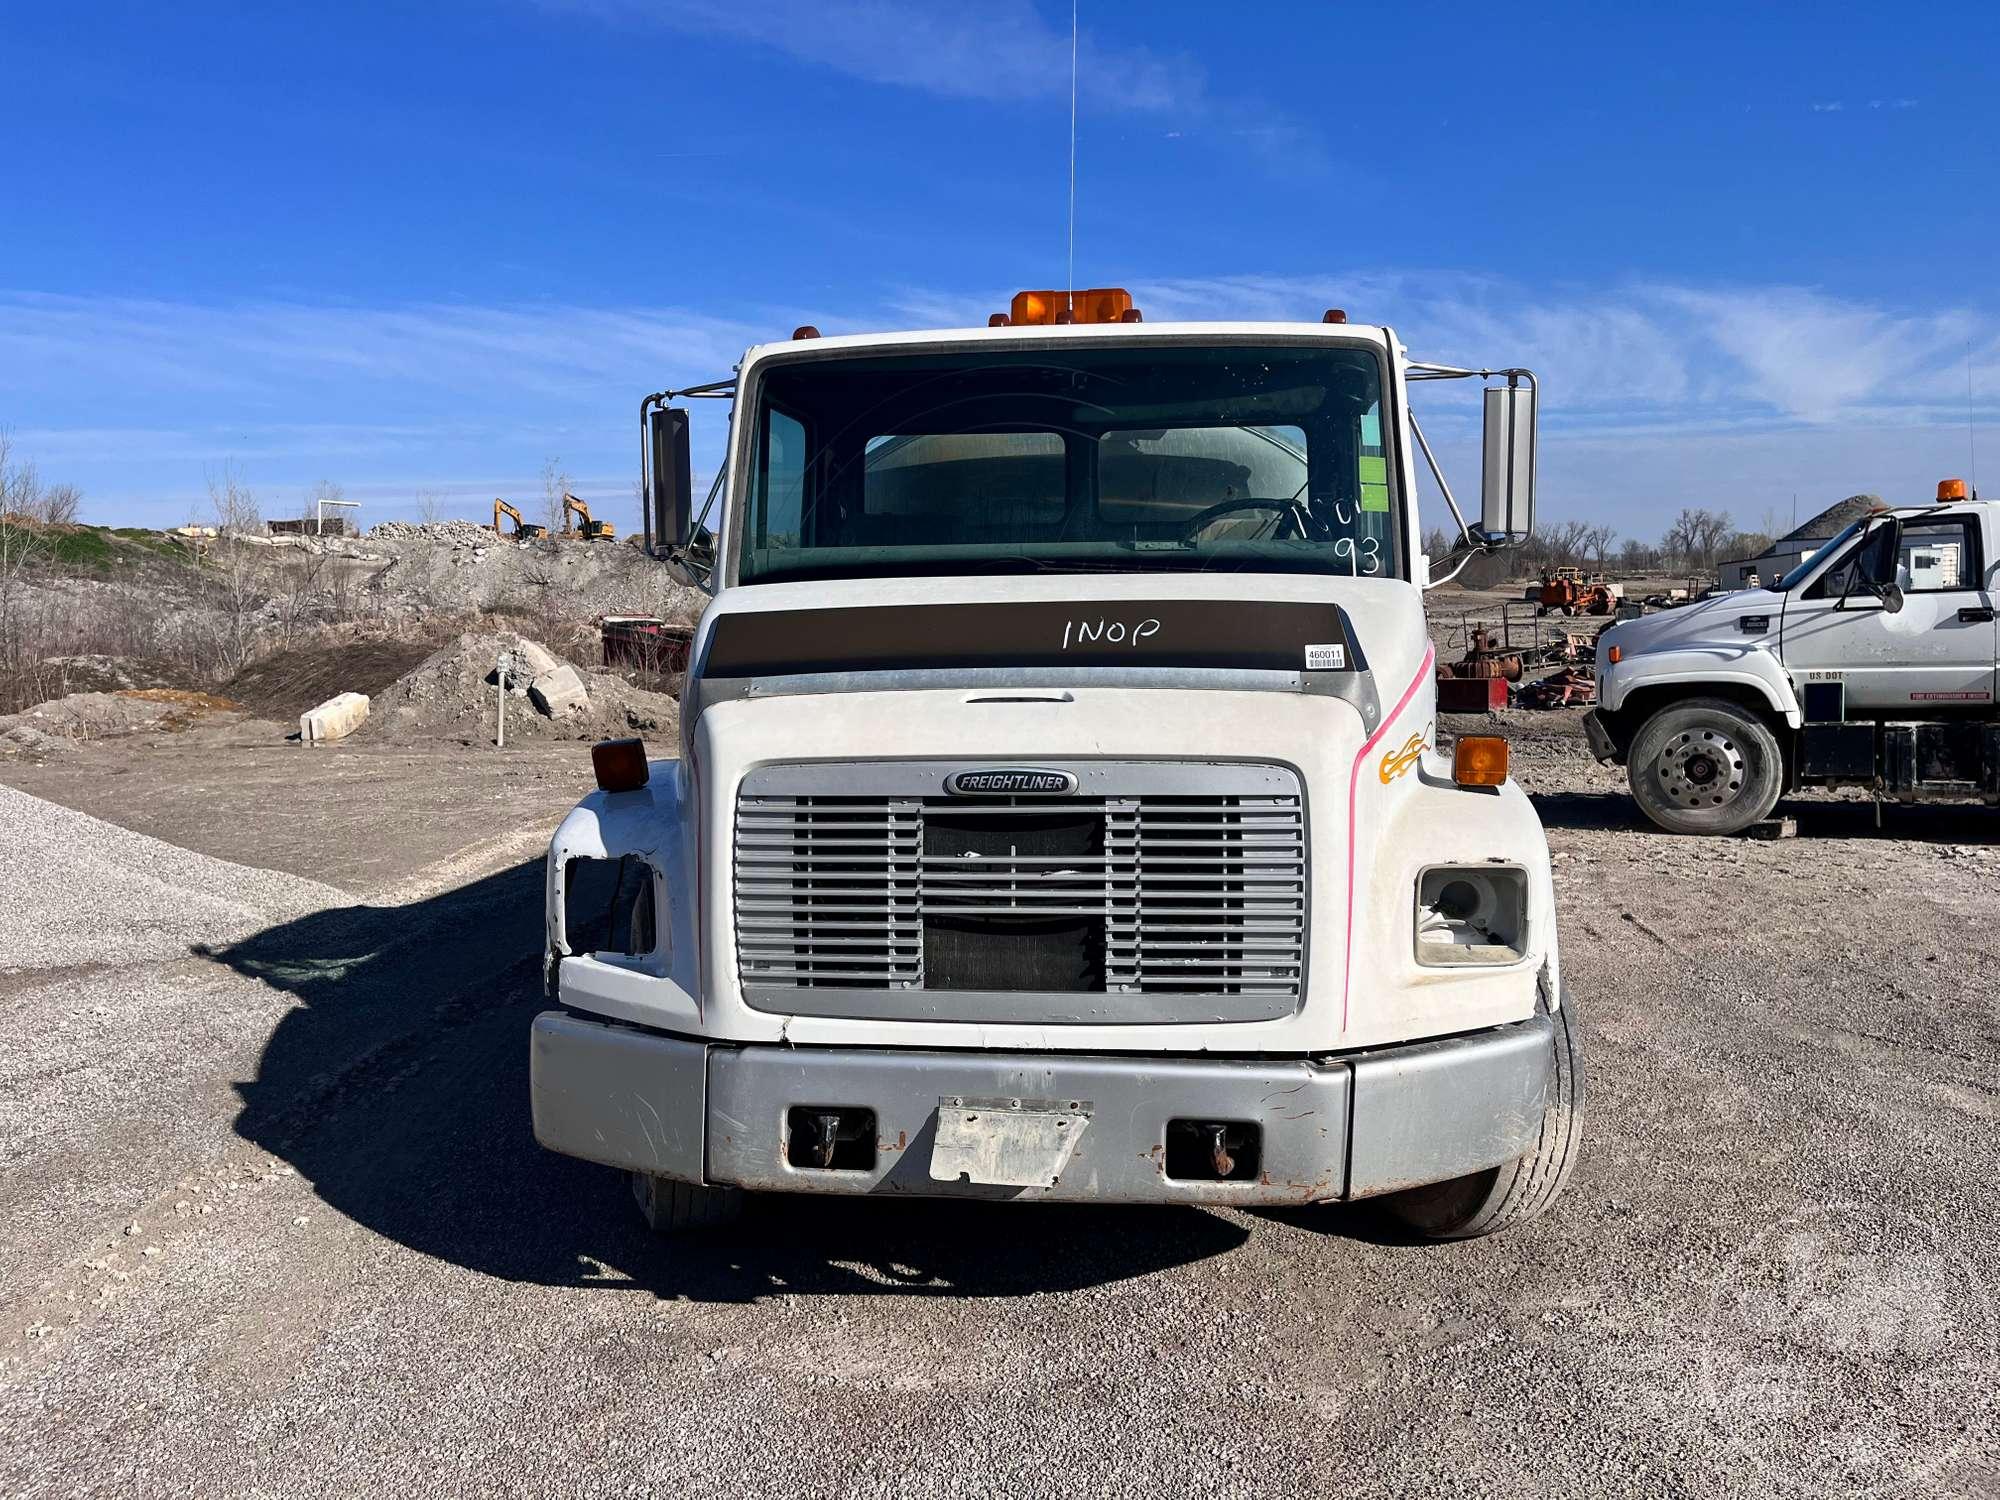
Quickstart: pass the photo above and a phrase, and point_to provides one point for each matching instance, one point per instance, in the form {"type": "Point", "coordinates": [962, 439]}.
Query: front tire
{"type": "Point", "coordinates": [675, 1208]}
{"type": "Point", "coordinates": [1500, 1197]}
{"type": "Point", "coordinates": [1706, 765]}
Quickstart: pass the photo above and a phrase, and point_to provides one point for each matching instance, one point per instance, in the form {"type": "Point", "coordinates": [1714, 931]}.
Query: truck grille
{"type": "Point", "coordinates": [1193, 896]}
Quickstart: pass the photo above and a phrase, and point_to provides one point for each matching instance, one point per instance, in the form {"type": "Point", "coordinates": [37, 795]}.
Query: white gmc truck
{"type": "Point", "coordinates": [1058, 813]}
{"type": "Point", "coordinates": [1870, 664]}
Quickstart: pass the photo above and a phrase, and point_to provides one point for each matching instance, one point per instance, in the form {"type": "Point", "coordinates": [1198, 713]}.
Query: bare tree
{"type": "Point", "coordinates": [237, 574]}
{"type": "Point", "coordinates": [555, 484]}
{"type": "Point", "coordinates": [59, 505]}
{"type": "Point", "coordinates": [1711, 526]}
{"type": "Point", "coordinates": [1566, 542]}
{"type": "Point", "coordinates": [1597, 542]}
{"type": "Point", "coordinates": [430, 507]}
{"type": "Point", "coordinates": [23, 543]}
{"type": "Point", "coordinates": [1636, 557]}
{"type": "Point", "coordinates": [1679, 541]}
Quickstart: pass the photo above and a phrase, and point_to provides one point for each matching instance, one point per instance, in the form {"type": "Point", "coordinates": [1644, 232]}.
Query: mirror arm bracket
{"type": "Point", "coordinates": [1465, 532]}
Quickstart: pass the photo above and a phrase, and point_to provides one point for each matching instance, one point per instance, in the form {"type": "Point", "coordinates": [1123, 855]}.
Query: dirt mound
{"type": "Point", "coordinates": [55, 726]}
{"type": "Point", "coordinates": [287, 683]}
{"type": "Point", "coordinates": [453, 695]}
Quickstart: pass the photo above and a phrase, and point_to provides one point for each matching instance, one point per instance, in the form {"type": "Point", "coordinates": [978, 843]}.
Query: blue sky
{"type": "Point", "coordinates": [427, 248]}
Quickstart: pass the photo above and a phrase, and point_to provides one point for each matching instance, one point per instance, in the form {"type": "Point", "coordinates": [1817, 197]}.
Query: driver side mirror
{"type": "Point", "coordinates": [1878, 555]}
{"type": "Point", "coordinates": [672, 479]}
{"type": "Point", "coordinates": [1507, 485]}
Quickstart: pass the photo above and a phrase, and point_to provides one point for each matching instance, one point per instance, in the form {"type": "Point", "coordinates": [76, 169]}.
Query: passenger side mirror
{"type": "Point", "coordinates": [1507, 487]}
{"type": "Point", "coordinates": [1892, 599]}
{"type": "Point", "coordinates": [672, 479]}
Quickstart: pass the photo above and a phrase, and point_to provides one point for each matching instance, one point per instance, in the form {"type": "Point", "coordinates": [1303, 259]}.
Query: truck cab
{"type": "Point", "coordinates": [1058, 812]}
{"type": "Point", "coordinates": [1871, 663]}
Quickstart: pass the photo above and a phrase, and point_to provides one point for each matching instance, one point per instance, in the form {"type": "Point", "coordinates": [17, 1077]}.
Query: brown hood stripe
{"type": "Point", "coordinates": [1221, 634]}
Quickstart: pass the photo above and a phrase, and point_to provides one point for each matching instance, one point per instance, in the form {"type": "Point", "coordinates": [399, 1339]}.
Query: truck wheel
{"type": "Point", "coordinates": [1500, 1197]}
{"type": "Point", "coordinates": [671, 1208]}
{"type": "Point", "coordinates": [1705, 766]}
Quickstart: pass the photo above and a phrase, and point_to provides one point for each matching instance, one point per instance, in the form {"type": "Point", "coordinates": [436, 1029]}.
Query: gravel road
{"type": "Point", "coordinates": [354, 1272]}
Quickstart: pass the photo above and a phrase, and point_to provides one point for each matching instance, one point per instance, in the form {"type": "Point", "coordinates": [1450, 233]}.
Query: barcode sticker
{"type": "Point", "coordinates": [1326, 658]}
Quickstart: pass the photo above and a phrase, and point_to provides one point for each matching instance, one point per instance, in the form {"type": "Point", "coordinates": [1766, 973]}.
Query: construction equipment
{"type": "Point", "coordinates": [589, 530]}
{"type": "Point", "coordinates": [523, 530]}
{"type": "Point", "coordinates": [1566, 591]}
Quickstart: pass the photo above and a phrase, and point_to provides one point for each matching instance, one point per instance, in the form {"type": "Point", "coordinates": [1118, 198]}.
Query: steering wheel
{"type": "Point", "coordinates": [1288, 512]}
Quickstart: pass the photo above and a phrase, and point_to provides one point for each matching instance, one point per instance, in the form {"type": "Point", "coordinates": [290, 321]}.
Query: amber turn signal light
{"type": "Point", "coordinates": [620, 764]}
{"type": "Point", "coordinates": [1479, 760]}
{"type": "Point", "coordinates": [1614, 655]}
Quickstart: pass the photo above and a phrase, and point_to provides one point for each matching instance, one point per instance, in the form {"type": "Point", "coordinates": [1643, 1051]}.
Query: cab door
{"type": "Point", "coordinates": [1937, 651]}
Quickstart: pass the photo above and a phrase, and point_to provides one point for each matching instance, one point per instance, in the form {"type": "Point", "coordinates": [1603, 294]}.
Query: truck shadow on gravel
{"type": "Point", "coordinates": [398, 1088]}
{"type": "Point", "coordinates": [1932, 823]}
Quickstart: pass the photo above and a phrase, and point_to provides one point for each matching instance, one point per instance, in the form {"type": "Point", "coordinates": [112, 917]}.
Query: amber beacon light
{"type": "Point", "coordinates": [1479, 760]}
{"type": "Point", "coordinates": [1098, 304]}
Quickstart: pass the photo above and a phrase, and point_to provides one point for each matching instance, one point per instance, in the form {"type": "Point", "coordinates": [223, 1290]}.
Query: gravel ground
{"type": "Point", "coordinates": [1772, 1274]}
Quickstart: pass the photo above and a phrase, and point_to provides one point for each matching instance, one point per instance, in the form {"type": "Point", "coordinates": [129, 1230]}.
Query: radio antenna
{"type": "Point", "coordinates": [1070, 294]}
{"type": "Point", "coordinates": [1971, 433]}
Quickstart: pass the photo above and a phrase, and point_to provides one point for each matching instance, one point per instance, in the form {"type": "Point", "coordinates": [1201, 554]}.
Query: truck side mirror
{"type": "Point", "coordinates": [1507, 487]}
{"type": "Point", "coordinates": [672, 496]}
{"type": "Point", "coordinates": [1880, 555]}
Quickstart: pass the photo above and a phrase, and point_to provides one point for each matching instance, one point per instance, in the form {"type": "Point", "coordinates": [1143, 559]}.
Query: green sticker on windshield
{"type": "Point", "coordinates": [1374, 476]}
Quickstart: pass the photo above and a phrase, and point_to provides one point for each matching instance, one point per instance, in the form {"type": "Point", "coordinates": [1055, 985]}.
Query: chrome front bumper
{"type": "Point", "coordinates": [1342, 1127]}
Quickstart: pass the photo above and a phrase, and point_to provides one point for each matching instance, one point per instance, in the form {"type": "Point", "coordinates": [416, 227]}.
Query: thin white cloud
{"type": "Point", "coordinates": [997, 50]}
{"type": "Point", "coordinates": [1650, 390]}
{"type": "Point", "coordinates": [1832, 107]}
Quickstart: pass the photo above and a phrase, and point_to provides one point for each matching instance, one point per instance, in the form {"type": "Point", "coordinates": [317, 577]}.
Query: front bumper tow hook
{"type": "Point", "coordinates": [1218, 1151]}
{"type": "Point", "coordinates": [829, 1137]}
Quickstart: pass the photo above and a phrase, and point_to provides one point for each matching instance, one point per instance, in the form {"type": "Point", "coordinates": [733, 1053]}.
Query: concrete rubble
{"type": "Point", "coordinates": [334, 719]}
{"type": "Point", "coordinates": [558, 692]}
{"type": "Point", "coordinates": [454, 694]}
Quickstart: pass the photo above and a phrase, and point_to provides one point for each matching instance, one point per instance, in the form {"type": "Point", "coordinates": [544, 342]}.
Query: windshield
{"type": "Point", "coordinates": [1798, 574]}
{"type": "Point", "coordinates": [1096, 458]}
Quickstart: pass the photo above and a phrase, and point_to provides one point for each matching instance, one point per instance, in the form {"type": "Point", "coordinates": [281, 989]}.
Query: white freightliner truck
{"type": "Point", "coordinates": [1058, 813]}
{"type": "Point", "coordinates": [1870, 664]}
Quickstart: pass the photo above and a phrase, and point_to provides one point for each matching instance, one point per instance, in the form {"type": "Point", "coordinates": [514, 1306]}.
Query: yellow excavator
{"type": "Point", "coordinates": [589, 530]}
{"type": "Point", "coordinates": [522, 529]}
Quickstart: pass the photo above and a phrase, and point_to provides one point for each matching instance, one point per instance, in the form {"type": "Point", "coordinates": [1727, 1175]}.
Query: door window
{"type": "Point", "coordinates": [1935, 555]}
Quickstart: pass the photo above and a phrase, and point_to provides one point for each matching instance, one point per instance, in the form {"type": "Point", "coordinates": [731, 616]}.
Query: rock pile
{"type": "Point", "coordinates": [454, 694]}
{"type": "Point", "coordinates": [55, 726]}
{"type": "Point", "coordinates": [458, 533]}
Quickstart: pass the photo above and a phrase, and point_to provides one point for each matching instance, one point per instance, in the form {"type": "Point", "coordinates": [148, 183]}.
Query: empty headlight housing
{"type": "Point", "coordinates": [1471, 915]}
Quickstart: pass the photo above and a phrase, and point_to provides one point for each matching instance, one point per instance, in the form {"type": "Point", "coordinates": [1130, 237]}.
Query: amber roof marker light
{"type": "Point", "coordinates": [620, 764]}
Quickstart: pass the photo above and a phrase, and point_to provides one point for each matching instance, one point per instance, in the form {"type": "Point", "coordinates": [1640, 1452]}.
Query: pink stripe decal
{"type": "Point", "coordinates": [1353, 785]}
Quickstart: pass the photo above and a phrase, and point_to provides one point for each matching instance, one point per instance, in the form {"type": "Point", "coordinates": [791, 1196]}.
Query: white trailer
{"type": "Point", "coordinates": [1058, 812]}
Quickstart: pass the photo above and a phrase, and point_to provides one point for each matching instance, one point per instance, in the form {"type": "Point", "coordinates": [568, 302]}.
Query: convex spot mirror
{"type": "Point", "coordinates": [1507, 482]}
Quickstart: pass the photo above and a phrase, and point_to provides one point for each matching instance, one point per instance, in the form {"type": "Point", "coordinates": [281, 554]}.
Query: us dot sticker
{"type": "Point", "coordinates": [1326, 658]}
